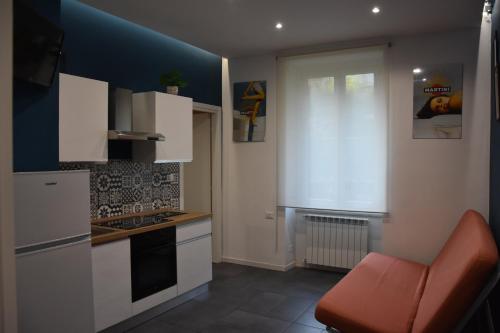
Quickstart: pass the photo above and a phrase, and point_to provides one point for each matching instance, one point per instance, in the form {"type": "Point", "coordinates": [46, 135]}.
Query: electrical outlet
{"type": "Point", "coordinates": [269, 215]}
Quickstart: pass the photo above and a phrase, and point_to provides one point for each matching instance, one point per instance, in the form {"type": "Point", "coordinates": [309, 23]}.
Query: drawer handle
{"type": "Point", "coordinates": [190, 240]}
{"type": "Point", "coordinates": [51, 183]}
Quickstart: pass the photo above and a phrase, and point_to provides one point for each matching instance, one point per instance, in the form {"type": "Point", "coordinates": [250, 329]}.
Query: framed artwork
{"type": "Point", "coordinates": [437, 101]}
{"type": "Point", "coordinates": [249, 111]}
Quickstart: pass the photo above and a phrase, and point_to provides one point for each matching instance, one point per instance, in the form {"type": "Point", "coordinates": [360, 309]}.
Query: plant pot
{"type": "Point", "coordinates": [173, 90]}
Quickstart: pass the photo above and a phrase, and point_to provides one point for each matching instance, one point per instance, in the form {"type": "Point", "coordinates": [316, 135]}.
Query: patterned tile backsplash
{"type": "Point", "coordinates": [122, 187]}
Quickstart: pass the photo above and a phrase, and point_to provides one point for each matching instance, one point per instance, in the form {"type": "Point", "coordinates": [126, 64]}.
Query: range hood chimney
{"type": "Point", "coordinates": [120, 118]}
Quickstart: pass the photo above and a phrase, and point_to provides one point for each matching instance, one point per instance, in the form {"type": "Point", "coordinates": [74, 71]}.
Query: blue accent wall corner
{"type": "Point", "coordinates": [36, 112]}
{"type": "Point", "coordinates": [108, 48]}
{"type": "Point", "coordinates": [103, 47]}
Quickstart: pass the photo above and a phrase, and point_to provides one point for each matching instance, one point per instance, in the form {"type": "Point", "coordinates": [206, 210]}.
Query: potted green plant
{"type": "Point", "coordinates": [173, 81]}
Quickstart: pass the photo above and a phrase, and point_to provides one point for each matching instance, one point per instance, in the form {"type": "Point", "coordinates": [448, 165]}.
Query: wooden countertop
{"type": "Point", "coordinates": [104, 234]}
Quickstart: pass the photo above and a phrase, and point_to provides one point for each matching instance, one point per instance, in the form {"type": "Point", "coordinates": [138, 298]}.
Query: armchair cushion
{"type": "Point", "coordinates": [381, 294]}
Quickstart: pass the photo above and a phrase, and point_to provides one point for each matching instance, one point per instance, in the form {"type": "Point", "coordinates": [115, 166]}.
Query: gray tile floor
{"type": "Point", "coordinates": [247, 299]}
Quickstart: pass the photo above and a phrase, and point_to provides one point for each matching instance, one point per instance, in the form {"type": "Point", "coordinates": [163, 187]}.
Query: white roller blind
{"type": "Point", "coordinates": [332, 130]}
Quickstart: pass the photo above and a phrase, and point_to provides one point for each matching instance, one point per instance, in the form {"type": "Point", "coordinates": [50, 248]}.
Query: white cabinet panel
{"type": "Point", "coordinates": [169, 115]}
{"type": "Point", "coordinates": [83, 119]}
{"type": "Point", "coordinates": [112, 283]}
{"type": "Point", "coordinates": [154, 300]}
{"type": "Point", "coordinates": [174, 118]}
{"type": "Point", "coordinates": [47, 200]}
{"type": "Point", "coordinates": [194, 263]}
{"type": "Point", "coordinates": [193, 230]}
{"type": "Point", "coordinates": [54, 290]}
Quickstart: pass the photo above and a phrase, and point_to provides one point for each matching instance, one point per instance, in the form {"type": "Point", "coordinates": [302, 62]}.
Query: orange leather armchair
{"type": "Point", "coordinates": [385, 294]}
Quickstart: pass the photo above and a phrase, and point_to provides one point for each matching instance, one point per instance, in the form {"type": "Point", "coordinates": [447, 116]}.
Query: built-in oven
{"type": "Point", "coordinates": [154, 262]}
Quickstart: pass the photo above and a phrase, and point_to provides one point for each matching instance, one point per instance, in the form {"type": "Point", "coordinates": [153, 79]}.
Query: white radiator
{"type": "Point", "coordinates": [336, 241]}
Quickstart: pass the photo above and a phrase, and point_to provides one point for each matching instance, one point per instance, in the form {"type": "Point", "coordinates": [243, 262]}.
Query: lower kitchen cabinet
{"type": "Point", "coordinates": [154, 300]}
{"type": "Point", "coordinates": [194, 255]}
{"type": "Point", "coordinates": [112, 281]}
{"type": "Point", "coordinates": [112, 273]}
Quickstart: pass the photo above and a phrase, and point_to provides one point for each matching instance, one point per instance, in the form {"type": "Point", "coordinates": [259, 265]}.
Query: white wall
{"type": "Point", "coordinates": [249, 177]}
{"type": "Point", "coordinates": [433, 181]}
{"type": "Point", "coordinates": [478, 146]}
{"type": "Point", "coordinates": [198, 173]}
{"type": "Point", "coordinates": [8, 321]}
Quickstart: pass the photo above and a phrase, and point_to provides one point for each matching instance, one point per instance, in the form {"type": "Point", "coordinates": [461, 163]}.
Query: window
{"type": "Point", "coordinates": [332, 131]}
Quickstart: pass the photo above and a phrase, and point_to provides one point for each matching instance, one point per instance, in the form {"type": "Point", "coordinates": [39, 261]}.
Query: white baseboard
{"type": "Point", "coordinates": [299, 263]}
{"type": "Point", "coordinates": [274, 267]}
{"type": "Point", "coordinates": [290, 266]}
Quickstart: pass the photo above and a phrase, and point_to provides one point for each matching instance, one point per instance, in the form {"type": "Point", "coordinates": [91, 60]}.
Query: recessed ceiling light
{"type": "Point", "coordinates": [376, 10]}
{"type": "Point", "coordinates": [279, 25]}
{"type": "Point", "coordinates": [417, 70]}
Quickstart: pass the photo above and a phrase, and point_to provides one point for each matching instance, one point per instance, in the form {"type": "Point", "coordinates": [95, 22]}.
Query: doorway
{"type": "Point", "coordinates": [198, 173]}
{"type": "Point", "coordinates": [202, 178]}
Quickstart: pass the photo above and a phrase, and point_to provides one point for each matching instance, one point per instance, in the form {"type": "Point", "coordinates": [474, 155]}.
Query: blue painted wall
{"type": "Point", "coordinates": [36, 119]}
{"type": "Point", "coordinates": [103, 47]}
{"type": "Point", "coordinates": [108, 48]}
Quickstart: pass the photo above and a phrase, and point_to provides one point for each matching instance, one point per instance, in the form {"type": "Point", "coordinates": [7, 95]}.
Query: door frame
{"type": "Point", "coordinates": [8, 304]}
{"type": "Point", "coordinates": [215, 113]}
{"type": "Point", "coordinates": [216, 134]}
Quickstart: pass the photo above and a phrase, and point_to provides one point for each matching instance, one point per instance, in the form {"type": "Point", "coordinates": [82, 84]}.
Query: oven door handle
{"type": "Point", "coordinates": [170, 246]}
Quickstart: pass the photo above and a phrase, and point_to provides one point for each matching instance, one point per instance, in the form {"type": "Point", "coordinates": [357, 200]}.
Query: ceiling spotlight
{"type": "Point", "coordinates": [417, 70]}
{"type": "Point", "coordinates": [375, 10]}
{"type": "Point", "coordinates": [279, 25]}
{"type": "Point", "coordinates": [424, 79]}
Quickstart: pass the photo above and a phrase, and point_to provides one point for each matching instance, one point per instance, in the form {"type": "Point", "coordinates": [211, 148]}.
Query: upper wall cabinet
{"type": "Point", "coordinates": [169, 115]}
{"type": "Point", "coordinates": [83, 119]}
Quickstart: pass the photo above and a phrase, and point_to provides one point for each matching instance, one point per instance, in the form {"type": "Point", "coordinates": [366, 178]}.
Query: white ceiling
{"type": "Point", "coordinates": [235, 28]}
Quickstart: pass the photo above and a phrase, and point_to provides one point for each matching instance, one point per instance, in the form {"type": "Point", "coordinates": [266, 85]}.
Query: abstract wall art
{"type": "Point", "coordinates": [249, 111]}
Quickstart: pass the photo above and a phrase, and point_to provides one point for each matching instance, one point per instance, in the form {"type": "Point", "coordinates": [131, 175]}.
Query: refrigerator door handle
{"type": "Point", "coordinates": [52, 245]}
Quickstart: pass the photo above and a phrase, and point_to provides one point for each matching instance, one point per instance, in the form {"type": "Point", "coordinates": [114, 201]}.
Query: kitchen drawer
{"type": "Point", "coordinates": [193, 230]}
{"type": "Point", "coordinates": [194, 263]}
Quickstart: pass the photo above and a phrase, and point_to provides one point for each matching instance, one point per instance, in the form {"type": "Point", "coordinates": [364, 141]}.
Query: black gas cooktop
{"type": "Point", "coordinates": [140, 221]}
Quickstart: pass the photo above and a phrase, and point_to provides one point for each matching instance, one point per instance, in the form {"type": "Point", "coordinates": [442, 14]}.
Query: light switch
{"type": "Point", "coordinates": [269, 215]}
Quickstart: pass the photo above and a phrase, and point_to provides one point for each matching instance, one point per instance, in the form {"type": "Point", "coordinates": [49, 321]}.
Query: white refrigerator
{"type": "Point", "coordinates": [53, 252]}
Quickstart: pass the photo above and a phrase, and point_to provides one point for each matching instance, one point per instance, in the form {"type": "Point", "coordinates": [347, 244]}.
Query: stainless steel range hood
{"type": "Point", "coordinates": [120, 118]}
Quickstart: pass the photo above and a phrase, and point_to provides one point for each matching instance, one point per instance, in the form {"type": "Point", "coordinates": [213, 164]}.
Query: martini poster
{"type": "Point", "coordinates": [437, 101]}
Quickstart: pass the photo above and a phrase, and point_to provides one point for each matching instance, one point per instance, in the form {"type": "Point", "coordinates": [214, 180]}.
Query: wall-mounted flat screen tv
{"type": "Point", "coordinates": [37, 46]}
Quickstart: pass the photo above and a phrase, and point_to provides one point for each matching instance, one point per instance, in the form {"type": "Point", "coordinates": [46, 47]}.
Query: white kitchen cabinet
{"type": "Point", "coordinates": [194, 255]}
{"type": "Point", "coordinates": [112, 283]}
{"type": "Point", "coordinates": [83, 119]}
{"type": "Point", "coordinates": [170, 115]}
{"type": "Point", "coordinates": [154, 300]}
{"type": "Point", "coordinates": [193, 230]}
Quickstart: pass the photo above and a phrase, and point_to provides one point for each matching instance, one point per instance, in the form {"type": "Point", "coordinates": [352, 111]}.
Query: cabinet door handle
{"type": "Point", "coordinates": [51, 183]}
{"type": "Point", "coordinates": [193, 239]}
